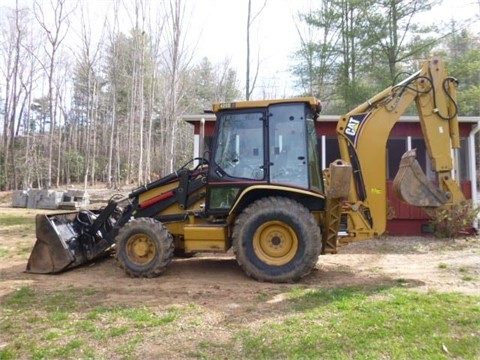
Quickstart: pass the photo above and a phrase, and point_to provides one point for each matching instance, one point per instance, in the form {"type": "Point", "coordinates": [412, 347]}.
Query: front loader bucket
{"type": "Point", "coordinates": [51, 253]}
{"type": "Point", "coordinates": [70, 239]}
{"type": "Point", "coordinates": [412, 186]}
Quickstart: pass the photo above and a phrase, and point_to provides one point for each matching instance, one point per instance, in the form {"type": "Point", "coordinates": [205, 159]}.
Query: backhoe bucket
{"type": "Point", "coordinates": [65, 241]}
{"type": "Point", "coordinates": [412, 186]}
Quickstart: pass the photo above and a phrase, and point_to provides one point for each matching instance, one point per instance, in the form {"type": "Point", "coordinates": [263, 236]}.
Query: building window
{"type": "Point", "coordinates": [332, 152]}
{"type": "Point", "coordinates": [422, 157]}
{"type": "Point", "coordinates": [395, 149]}
{"type": "Point", "coordinates": [463, 160]}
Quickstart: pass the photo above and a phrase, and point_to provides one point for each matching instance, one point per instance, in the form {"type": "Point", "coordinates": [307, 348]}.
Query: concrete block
{"type": "Point", "coordinates": [20, 198]}
{"type": "Point", "coordinates": [44, 199]}
{"type": "Point", "coordinates": [50, 199]}
{"type": "Point", "coordinates": [79, 197]}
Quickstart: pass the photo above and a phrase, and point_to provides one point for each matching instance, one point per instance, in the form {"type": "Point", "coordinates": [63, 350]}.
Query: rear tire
{"type": "Point", "coordinates": [276, 239]}
{"type": "Point", "coordinates": [144, 248]}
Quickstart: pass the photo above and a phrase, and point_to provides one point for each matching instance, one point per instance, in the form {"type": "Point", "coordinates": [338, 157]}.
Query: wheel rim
{"type": "Point", "coordinates": [275, 243]}
{"type": "Point", "coordinates": [140, 249]}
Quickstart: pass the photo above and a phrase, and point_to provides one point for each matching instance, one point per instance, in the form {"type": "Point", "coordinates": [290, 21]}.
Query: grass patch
{"type": "Point", "coordinates": [4, 252]}
{"type": "Point", "coordinates": [68, 324]}
{"type": "Point", "coordinates": [263, 296]}
{"type": "Point", "coordinates": [20, 298]}
{"type": "Point", "coordinates": [22, 226]}
{"type": "Point", "coordinates": [142, 317]}
{"type": "Point", "coordinates": [466, 274]}
{"type": "Point", "coordinates": [388, 322]}
{"type": "Point", "coordinates": [24, 251]}
{"type": "Point", "coordinates": [352, 323]}
{"type": "Point", "coordinates": [14, 220]}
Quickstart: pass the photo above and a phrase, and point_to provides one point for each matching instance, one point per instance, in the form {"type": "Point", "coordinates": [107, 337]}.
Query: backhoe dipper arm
{"type": "Point", "coordinates": [363, 135]}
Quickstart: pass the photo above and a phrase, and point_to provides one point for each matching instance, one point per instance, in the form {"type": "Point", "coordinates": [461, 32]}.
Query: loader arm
{"type": "Point", "coordinates": [363, 135]}
{"type": "Point", "coordinates": [68, 240]}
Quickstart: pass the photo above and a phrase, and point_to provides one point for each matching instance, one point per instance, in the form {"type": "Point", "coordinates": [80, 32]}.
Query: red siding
{"type": "Point", "coordinates": [209, 128]}
{"type": "Point", "coordinates": [326, 128]}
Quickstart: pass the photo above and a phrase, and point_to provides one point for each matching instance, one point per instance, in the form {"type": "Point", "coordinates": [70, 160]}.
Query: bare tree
{"type": "Point", "coordinates": [249, 87]}
{"type": "Point", "coordinates": [55, 31]}
{"type": "Point", "coordinates": [62, 96]}
{"type": "Point", "coordinates": [176, 63]}
{"type": "Point", "coordinates": [29, 83]}
{"type": "Point", "coordinates": [137, 116]}
{"type": "Point", "coordinates": [12, 40]}
{"type": "Point", "coordinates": [113, 174]}
{"type": "Point", "coordinates": [155, 29]}
{"type": "Point", "coordinates": [18, 68]}
{"type": "Point", "coordinates": [88, 62]}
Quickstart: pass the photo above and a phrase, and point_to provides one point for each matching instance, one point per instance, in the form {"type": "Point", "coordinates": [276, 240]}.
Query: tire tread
{"type": "Point", "coordinates": [292, 209]}
{"type": "Point", "coordinates": [164, 242]}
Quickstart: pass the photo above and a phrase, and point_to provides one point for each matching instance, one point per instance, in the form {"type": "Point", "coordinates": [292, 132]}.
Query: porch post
{"type": "Point", "coordinates": [472, 167]}
{"type": "Point", "coordinates": [324, 149]}
{"type": "Point", "coordinates": [196, 148]}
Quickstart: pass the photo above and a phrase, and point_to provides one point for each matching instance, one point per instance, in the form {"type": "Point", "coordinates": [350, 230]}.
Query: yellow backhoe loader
{"type": "Point", "coordinates": [262, 191]}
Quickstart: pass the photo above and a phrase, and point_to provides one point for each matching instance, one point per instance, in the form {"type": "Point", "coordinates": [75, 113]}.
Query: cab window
{"type": "Point", "coordinates": [239, 151]}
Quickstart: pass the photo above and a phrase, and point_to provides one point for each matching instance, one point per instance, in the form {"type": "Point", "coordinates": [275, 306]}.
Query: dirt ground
{"type": "Point", "coordinates": [439, 265]}
{"type": "Point", "coordinates": [216, 280]}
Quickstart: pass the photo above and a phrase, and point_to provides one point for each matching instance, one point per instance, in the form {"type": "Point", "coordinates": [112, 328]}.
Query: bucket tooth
{"type": "Point", "coordinates": [412, 186]}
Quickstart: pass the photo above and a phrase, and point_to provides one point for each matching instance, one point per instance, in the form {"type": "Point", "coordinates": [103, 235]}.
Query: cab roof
{"type": "Point", "coordinates": [314, 103]}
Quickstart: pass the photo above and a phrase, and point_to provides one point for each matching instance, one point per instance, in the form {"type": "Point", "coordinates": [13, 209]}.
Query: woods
{"type": "Point", "coordinates": [87, 99]}
{"type": "Point", "coordinates": [84, 107]}
{"type": "Point", "coordinates": [353, 49]}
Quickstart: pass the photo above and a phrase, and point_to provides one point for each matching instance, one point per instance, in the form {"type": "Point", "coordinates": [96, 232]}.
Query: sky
{"type": "Point", "coordinates": [274, 37]}
{"type": "Point", "coordinates": [217, 30]}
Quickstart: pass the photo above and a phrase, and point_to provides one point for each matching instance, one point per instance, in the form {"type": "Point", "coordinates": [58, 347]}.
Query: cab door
{"type": "Point", "coordinates": [288, 152]}
{"type": "Point", "coordinates": [239, 159]}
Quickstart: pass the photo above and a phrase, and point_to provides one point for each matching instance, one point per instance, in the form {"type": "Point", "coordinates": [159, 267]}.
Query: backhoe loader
{"type": "Point", "coordinates": [262, 191]}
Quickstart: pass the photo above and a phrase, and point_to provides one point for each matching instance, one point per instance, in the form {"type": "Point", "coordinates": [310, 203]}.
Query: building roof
{"type": "Point", "coordinates": [194, 118]}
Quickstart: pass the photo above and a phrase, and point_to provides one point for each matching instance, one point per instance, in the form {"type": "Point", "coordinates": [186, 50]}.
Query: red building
{"type": "Point", "coordinates": [403, 219]}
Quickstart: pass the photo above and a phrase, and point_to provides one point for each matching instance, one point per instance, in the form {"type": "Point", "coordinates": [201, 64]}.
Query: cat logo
{"type": "Point", "coordinates": [352, 127]}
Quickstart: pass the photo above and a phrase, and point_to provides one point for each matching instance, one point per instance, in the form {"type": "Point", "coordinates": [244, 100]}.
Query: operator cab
{"type": "Point", "coordinates": [263, 143]}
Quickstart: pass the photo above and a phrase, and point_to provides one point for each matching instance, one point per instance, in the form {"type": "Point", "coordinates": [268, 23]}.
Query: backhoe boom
{"type": "Point", "coordinates": [363, 135]}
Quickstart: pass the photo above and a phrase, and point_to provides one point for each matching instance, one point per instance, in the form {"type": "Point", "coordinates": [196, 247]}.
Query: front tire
{"type": "Point", "coordinates": [276, 239]}
{"type": "Point", "coordinates": [144, 248]}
